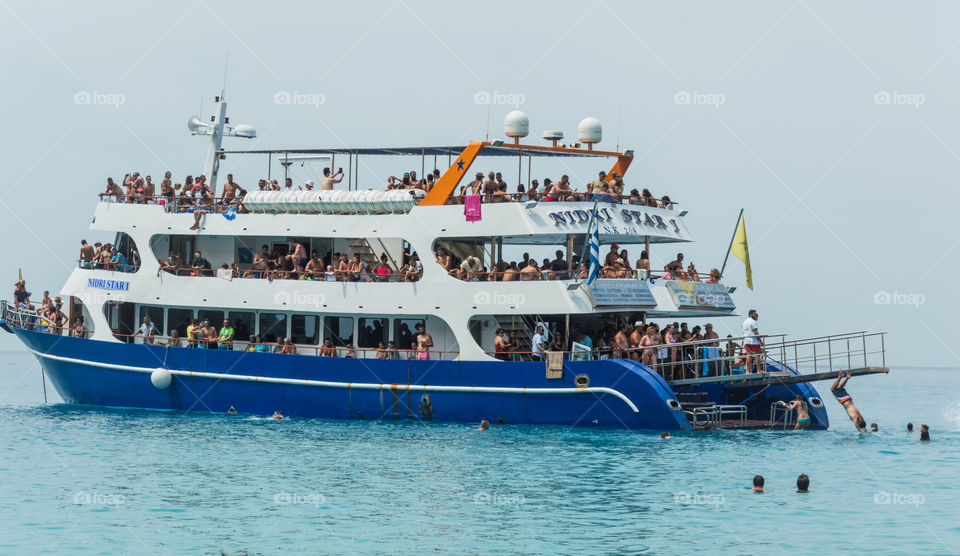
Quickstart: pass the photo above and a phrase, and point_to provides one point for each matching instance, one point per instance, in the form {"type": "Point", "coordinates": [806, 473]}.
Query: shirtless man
{"type": "Point", "coordinates": [343, 269]}
{"type": "Point", "coordinates": [621, 341]}
{"type": "Point", "coordinates": [230, 190]}
{"type": "Point", "coordinates": [636, 337]}
{"type": "Point", "coordinates": [803, 414]}
{"type": "Point", "coordinates": [299, 256]}
{"type": "Point", "coordinates": [327, 181]}
{"type": "Point", "coordinates": [424, 343]}
{"type": "Point", "coordinates": [315, 266]}
{"type": "Point", "coordinates": [846, 400]}
{"type": "Point", "coordinates": [530, 272]}
{"type": "Point", "coordinates": [113, 190]}
{"type": "Point", "coordinates": [511, 274]}
{"type": "Point", "coordinates": [86, 253]}
{"type": "Point", "coordinates": [204, 204]}
{"type": "Point", "coordinates": [260, 259]}
{"type": "Point", "coordinates": [149, 190]}
{"type": "Point", "coordinates": [561, 190]}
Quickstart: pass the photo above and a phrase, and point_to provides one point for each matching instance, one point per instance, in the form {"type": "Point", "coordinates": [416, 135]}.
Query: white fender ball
{"type": "Point", "coordinates": [161, 378]}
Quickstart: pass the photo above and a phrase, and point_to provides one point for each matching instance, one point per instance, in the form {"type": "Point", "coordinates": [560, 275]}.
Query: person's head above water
{"type": "Point", "coordinates": [909, 427]}
{"type": "Point", "coordinates": [665, 435]}
{"type": "Point", "coordinates": [803, 483]}
{"type": "Point", "coordinates": [874, 427]}
{"type": "Point", "coordinates": [925, 435]}
{"type": "Point", "coordinates": [758, 483]}
{"type": "Point", "coordinates": [484, 425]}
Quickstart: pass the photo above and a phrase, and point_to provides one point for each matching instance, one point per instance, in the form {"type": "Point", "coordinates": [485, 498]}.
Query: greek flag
{"type": "Point", "coordinates": [593, 244]}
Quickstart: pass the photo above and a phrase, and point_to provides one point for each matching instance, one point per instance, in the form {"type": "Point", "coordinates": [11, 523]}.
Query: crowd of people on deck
{"type": "Point", "coordinates": [108, 257]}
{"type": "Point", "coordinates": [196, 195]}
{"type": "Point", "coordinates": [48, 315]}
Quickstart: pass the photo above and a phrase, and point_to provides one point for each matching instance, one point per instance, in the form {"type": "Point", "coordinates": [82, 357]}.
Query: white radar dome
{"type": "Point", "coordinates": [517, 124]}
{"type": "Point", "coordinates": [590, 131]}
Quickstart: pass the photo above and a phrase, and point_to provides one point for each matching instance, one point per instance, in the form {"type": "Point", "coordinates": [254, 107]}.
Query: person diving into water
{"type": "Point", "coordinates": [846, 400]}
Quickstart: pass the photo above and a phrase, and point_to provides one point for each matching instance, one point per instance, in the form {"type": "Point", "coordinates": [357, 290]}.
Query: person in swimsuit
{"type": "Point", "coordinates": [648, 355]}
{"type": "Point", "coordinates": [803, 415]}
{"type": "Point", "coordinates": [846, 400]}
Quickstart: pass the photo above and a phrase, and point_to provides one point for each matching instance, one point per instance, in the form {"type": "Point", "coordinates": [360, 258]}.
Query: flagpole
{"type": "Point", "coordinates": [729, 247]}
{"type": "Point", "coordinates": [586, 240]}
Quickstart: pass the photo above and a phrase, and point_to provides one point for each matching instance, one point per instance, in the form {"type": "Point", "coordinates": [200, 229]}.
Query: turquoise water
{"type": "Point", "coordinates": [91, 481]}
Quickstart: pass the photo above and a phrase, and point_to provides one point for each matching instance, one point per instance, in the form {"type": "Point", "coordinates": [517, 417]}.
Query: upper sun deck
{"type": "Point", "coordinates": [441, 205]}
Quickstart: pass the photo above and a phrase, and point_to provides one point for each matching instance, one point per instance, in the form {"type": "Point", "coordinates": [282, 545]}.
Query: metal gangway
{"type": "Point", "coordinates": [817, 358]}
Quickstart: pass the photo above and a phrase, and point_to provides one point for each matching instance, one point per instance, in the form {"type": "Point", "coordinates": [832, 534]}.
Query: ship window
{"type": "Point", "coordinates": [215, 317]}
{"type": "Point", "coordinates": [372, 331]}
{"type": "Point", "coordinates": [179, 319]}
{"type": "Point", "coordinates": [404, 332]}
{"type": "Point", "coordinates": [155, 314]}
{"type": "Point", "coordinates": [243, 323]}
{"type": "Point", "coordinates": [304, 329]}
{"type": "Point", "coordinates": [273, 326]}
{"type": "Point", "coordinates": [338, 329]}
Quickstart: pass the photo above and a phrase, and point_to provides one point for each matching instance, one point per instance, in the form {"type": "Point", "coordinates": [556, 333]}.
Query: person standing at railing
{"type": "Point", "coordinates": [147, 330]}
{"type": "Point", "coordinates": [648, 343]}
{"type": "Point", "coordinates": [538, 343]}
{"type": "Point", "coordinates": [424, 343]}
{"type": "Point", "coordinates": [79, 330]}
{"type": "Point", "coordinates": [226, 335]}
{"type": "Point", "coordinates": [803, 415]}
{"type": "Point", "coordinates": [752, 344]}
{"type": "Point", "coordinates": [113, 190]}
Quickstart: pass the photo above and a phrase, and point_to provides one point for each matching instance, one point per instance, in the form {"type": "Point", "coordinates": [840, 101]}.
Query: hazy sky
{"type": "Point", "coordinates": [833, 124]}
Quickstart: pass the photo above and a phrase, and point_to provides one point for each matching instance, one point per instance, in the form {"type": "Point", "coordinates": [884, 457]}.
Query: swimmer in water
{"type": "Point", "coordinates": [664, 435]}
{"type": "Point", "coordinates": [846, 400]}
{"type": "Point", "coordinates": [803, 483]}
{"type": "Point", "coordinates": [874, 427]}
{"type": "Point", "coordinates": [924, 433]}
{"type": "Point", "coordinates": [803, 415]}
{"type": "Point", "coordinates": [232, 410]}
{"type": "Point", "coordinates": [909, 427]}
{"type": "Point", "coordinates": [758, 483]}
{"type": "Point", "coordinates": [484, 425]}
{"type": "Point", "coordinates": [276, 416]}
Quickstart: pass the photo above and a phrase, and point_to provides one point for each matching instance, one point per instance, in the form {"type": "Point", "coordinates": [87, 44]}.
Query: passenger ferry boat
{"type": "Point", "coordinates": [463, 378]}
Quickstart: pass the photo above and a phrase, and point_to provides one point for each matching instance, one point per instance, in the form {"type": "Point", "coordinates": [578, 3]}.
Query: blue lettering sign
{"type": "Point", "coordinates": [115, 285]}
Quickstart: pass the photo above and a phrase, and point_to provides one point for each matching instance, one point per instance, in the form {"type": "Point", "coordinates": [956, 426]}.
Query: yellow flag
{"type": "Point", "coordinates": [740, 250]}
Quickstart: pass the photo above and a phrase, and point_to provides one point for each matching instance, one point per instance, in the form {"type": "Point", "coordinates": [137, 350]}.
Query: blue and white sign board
{"type": "Point", "coordinates": [113, 285]}
{"type": "Point", "coordinates": [622, 292]}
{"type": "Point", "coordinates": [700, 295]}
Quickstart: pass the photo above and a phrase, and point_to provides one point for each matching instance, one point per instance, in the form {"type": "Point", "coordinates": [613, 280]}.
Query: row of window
{"type": "Point", "coordinates": [300, 328]}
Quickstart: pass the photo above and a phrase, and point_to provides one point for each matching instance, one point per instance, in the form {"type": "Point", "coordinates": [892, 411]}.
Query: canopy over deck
{"type": "Point", "coordinates": [452, 150]}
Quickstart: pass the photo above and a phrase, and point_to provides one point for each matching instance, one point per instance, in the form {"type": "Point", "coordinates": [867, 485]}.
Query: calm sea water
{"type": "Point", "coordinates": [92, 481]}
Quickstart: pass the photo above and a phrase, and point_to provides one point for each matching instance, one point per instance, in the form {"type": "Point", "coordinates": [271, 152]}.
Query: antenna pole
{"type": "Point", "coordinates": [489, 107]}
{"type": "Point", "coordinates": [727, 256]}
{"type": "Point", "coordinates": [619, 110]}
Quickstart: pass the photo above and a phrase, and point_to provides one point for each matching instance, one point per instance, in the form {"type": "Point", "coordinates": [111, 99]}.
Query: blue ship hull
{"type": "Point", "coordinates": [620, 394]}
